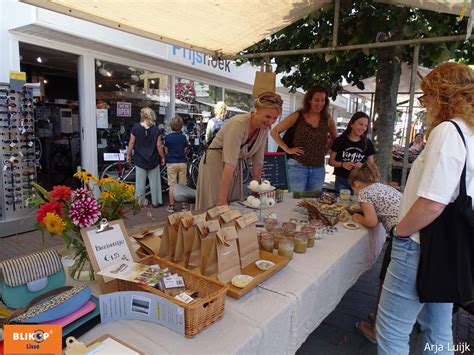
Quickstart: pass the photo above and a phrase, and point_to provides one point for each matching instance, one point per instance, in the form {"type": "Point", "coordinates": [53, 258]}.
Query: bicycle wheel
{"type": "Point", "coordinates": [124, 172]}
{"type": "Point", "coordinates": [164, 178]}
{"type": "Point", "coordinates": [193, 173]}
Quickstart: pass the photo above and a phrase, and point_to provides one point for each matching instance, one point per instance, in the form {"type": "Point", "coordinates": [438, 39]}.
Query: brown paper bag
{"type": "Point", "coordinates": [149, 241]}
{"type": "Point", "coordinates": [170, 234]}
{"type": "Point", "coordinates": [215, 212]}
{"type": "Point", "coordinates": [186, 232]}
{"type": "Point", "coordinates": [264, 82]}
{"type": "Point", "coordinates": [228, 260]}
{"type": "Point", "coordinates": [247, 238]}
{"type": "Point", "coordinates": [227, 219]}
{"type": "Point", "coordinates": [204, 252]}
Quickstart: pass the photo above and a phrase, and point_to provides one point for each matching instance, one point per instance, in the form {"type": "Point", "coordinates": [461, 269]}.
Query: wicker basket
{"type": "Point", "coordinates": [199, 314]}
{"type": "Point", "coordinates": [329, 217]}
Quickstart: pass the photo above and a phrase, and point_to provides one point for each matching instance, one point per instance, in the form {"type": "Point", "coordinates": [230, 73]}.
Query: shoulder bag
{"type": "Point", "coordinates": [446, 266]}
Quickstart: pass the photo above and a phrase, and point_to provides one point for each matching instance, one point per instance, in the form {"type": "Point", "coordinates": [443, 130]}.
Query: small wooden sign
{"type": "Point", "coordinates": [107, 246]}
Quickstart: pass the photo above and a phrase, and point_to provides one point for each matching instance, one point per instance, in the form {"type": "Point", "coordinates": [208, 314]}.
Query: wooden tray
{"type": "Point", "coordinates": [258, 275]}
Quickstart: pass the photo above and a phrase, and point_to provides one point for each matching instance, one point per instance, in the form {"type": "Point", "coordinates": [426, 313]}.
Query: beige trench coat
{"type": "Point", "coordinates": [228, 147]}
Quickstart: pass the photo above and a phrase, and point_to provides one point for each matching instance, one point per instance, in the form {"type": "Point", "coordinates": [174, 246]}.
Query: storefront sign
{"type": "Point", "coordinates": [201, 58]}
{"type": "Point", "coordinates": [124, 109]}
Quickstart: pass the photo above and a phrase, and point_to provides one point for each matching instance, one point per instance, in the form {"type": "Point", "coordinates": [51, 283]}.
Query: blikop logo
{"type": "Point", "coordinates": [33, 339]}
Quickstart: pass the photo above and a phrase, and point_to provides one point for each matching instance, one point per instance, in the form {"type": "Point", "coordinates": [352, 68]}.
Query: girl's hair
{"type": "Point", "coordinates": [176, 123]}
{"type": "Point", "coordinates": [354, 118]}
{"type": "Point", "coordinates": [147, 114]}
{"type": "Point", "coordinates": [306, 106]}
{"type": "Point", "coordinates": [453, 86]}
{"type": "Point", "coordinates": [269, 100]}
{"type": "Point", "coordinates": [220, 110]}
{"type": "Point", "coordinates": [368, 173]}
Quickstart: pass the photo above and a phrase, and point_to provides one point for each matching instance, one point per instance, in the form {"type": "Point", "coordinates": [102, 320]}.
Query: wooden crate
{"type": "Point", "coordinates": [199, 314]}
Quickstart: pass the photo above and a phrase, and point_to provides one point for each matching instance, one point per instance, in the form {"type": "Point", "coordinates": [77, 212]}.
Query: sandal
{"type": "Point", "coordinates": [360, 329]}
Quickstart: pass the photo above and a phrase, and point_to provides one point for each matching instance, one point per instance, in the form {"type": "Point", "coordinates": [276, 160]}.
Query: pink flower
{"type": "Point", "coordinates": [84, 212]}
{"type": "Point", "coordinates": [81, 193]}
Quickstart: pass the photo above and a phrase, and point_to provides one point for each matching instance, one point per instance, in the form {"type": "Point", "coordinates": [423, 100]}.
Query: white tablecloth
{"type": "Point", "coordinates": [277, 316]}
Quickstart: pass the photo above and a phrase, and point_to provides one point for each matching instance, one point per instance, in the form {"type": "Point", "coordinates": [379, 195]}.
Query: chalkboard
{"type": "Point", "coordinates": [275, 171]}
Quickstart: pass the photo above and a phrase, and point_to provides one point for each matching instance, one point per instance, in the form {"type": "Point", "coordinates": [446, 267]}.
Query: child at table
{"type": "Point", "coordinates": [379, 203]}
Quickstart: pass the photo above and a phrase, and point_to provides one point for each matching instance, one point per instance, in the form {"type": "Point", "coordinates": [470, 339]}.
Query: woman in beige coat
{"type": "Point", "coordinates": [242, 137]}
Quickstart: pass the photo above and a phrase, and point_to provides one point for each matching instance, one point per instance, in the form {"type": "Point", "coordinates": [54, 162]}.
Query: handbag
{"type": "Point", "coordinates": [27, 277]}
{"type": "Point", "coordinates": [52, 305]}
{"type": "Point", "coordinates": [446, 266]}
{"type": "Point", "coordinates": [289, 135]}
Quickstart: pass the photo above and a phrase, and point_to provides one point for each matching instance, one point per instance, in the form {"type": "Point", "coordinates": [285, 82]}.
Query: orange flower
{"type": "Point", "coordinates": [60, 193]}
{"type": "Point", "coordinates": [53, 207]}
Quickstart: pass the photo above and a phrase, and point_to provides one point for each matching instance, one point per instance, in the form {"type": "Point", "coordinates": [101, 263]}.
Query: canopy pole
{"type": "Point", "coordinates": [414, 69]}
{"type": "Point", "coordinates": [337, 5]}
{"type": "Point", "coordinates": [408, 42]}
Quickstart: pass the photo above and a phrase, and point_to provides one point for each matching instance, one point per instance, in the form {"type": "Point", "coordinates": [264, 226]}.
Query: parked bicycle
{"type": "Point", "coordinates": [125, 172]}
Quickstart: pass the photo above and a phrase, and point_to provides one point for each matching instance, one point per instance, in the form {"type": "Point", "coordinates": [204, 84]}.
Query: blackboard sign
{"type": "Point", "coordinates": [274, 170]}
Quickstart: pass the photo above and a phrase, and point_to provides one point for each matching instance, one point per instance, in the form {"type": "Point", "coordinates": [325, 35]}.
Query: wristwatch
{"type": "Point", "coordinates": [393, 233]}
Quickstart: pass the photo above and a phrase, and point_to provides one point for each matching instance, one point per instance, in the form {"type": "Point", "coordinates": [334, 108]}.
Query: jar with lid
{"type": "Point", "coordinates": [277, 234]}
{"type": "Point", "coordinates": [286, 247]}
{"type": "Point", "coordinates": [310, 233]}
{"type": "Point", "coordinates": [301, 242]}
{"type": "Point", "coordinates": [266, 241]}
{"type": "Point", "coordinates": [288, 228]}
{"type": "Point", "coordinates": [269, 224]}
{"type": "Point", "coordinates": [345, 197]}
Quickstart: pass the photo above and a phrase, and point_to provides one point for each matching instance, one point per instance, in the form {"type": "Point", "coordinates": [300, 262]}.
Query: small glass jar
{"type": "Point", "coordinates": [315, 223]}
{"type": "Point", "coordinates": [266, 241]}
{"type": "Point", "coordinates": [286, 247]}
{"type": "Point", "coordinates": [301, 242]}
{"type": "Point", "coordinates": [277, 234]}
{"type": "Point", "coordinates": [345, 196]}
{"type": "Point", "coordinates": [288, 228]}
{"type": "Point", "coordinates": [310, 233]}
{"type": "Point", "coordinates": [319, 232]}
{"type": "Point", "coordinates": [269, 224]}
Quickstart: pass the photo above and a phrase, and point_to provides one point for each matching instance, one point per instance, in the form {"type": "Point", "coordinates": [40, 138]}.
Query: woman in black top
{"type": "Point", "coordinates": [145, 141]}
{"type": "Point", "coordinates": [351, 149]}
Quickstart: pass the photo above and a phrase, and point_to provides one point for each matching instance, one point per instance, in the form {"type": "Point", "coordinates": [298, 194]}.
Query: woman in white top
{"type": "Point", "coordinates": [433, 184]}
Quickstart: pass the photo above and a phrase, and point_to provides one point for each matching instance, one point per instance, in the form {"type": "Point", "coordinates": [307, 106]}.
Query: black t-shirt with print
{"type": "Point", "coordinates": [347, 150]}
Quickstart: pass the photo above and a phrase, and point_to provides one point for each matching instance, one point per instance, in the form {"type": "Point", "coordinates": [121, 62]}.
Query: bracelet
{"type": "Point", "coordinates": [393, 233]}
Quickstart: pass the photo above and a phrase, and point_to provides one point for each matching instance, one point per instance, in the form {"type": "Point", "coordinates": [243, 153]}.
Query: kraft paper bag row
{"type": "Point", "coordinates": [227, 219]}
{"type": "Point", "coordinates": [186, 233]}
{"type": "Point", "coordinates": [247, 238]}
{"type": "Point", "coordinates": [204, 252]}
{"type": "Point", "coordinates": [228, 260]}
{"type": "Point", "coordinates": [170, 234]}
{"type": "Point", "coordinates": [215, 212]}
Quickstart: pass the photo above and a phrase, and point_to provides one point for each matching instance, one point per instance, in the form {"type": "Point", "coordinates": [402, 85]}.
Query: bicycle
{"type": "Point", "coordinates": [62, 162]}
{"type": "Point", "coordinates": [125, 172]}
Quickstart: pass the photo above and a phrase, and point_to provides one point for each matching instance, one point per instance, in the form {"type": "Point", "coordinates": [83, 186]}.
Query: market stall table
{"type": "Point", "coordinates": [278, 315]}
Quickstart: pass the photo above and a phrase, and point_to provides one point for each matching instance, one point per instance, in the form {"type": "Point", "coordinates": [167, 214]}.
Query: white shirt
{"type": "Point", "coordinates": [436, 173]}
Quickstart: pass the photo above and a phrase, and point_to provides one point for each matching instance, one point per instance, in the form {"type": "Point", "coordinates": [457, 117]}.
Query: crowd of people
{"type": "Point", "coordinates": [309, 134]}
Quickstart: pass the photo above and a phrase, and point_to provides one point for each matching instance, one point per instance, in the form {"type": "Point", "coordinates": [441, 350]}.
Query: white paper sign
{"type": "Point", "coordinates": [109, 247]}
{"type": "Point", "coordinates": [102, 117]}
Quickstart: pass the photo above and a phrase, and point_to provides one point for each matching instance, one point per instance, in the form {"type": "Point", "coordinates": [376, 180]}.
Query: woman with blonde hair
{"type": "Point", "coordinates": [433, 184]}
{"type": "Point", "coordinates": [242, 137]}
{"type": "Point", "coordinates": [148, 154]}
{"type": "Point", "coordinates": [215, 123]}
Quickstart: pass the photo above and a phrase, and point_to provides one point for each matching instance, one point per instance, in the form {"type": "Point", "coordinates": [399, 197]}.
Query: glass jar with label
{"type": "Point", "coordinates": [345, 197]}
{"type": "Point", "coordinates": [269, 224]}
{"type": "Point", "coordinates": [266, 241]}
{"type": "Point", "coordinates": [288, 228]}
{"type": "Point", "coordinates": [277, 234]}
{"type": "Point", "coordinates": [286, 247]}
{"type": "Point", "coordinates": [311, 234]}
{"type": "Point", "coordinates": [301, 242]}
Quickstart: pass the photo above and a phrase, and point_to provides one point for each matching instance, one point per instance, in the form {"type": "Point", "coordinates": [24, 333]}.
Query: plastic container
{"type": "Point", "coordinates": [301, 242]}
{"type": "Point", "coordinates": [286, 248]}
{"type": "Point", "coordinates": [266, 241]}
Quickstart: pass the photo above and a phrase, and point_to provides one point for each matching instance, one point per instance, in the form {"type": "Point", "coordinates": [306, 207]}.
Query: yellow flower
{"type": "Point", "coordinates": [106, 180]}
{"type": "Point", "coordinates": [106, 195]}
{"type": "Point", "coordinates": [85, 176]}
{"type": "Point", "coordinates": [53, 223]}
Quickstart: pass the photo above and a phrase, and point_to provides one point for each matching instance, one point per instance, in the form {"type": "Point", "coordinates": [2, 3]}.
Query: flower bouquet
{"type": "Point", "coordinates": [64, 211]}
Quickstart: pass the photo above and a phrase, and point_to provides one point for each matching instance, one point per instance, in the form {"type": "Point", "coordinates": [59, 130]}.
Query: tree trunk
{"type": "Point", "coordinates": [385, 101]}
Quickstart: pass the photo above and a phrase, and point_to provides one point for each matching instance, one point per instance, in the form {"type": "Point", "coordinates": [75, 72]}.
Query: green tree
{"type": "Point", "coordinates": [365, 22]}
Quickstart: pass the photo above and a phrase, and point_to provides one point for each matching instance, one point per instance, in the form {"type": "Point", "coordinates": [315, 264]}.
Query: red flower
{"type": "Point", "coordinates": [60, 193]}
{"type": "Point", "coordinates": [120, 211]}
{"type": "Point", "coordinates": [53, 207]}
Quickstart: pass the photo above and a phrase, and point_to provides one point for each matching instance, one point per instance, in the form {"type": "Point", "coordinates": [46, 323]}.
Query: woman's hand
{"type": "Point", "coordinates": [129, 159]}
{"type": "Point", "coordinates": [348, 165]}
{"type": "Point", "coordinates": [162, 161]}
{"type": "Point", "coordinates": [295, 151]}
{"type": "Point", "coordinates": [357, 217]}
{"type": "Point", "coordinates": [358, 165]}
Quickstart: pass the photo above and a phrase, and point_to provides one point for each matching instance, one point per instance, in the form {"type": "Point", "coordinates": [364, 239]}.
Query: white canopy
{"type": "Point", "coordinates": [210, 26]}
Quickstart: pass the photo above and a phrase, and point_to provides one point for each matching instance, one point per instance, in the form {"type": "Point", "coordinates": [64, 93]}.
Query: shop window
{"type": "Point", "coordinates": [238, 102]}
{"type": "Point", "coordinates": [121, 92]}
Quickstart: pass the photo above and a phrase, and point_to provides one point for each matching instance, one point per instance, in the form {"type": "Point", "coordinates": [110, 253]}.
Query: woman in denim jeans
{"type": "Point", "coordinates": [313, 132]}
{"type": "Point", "coordinates": [433, 183]}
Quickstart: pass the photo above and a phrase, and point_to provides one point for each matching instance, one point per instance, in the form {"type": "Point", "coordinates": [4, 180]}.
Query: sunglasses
{"type": "Point", "coordinates": [270, 99]}
{"type": "Point", "coordinates": [422, 100]}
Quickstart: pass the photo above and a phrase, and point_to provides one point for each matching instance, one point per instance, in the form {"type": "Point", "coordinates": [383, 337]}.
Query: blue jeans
{"type": "Point", "coordinates": [342, 183]}
{"type": "Point", "coordinates": [399, 307]}
{"type": "Point", "coordinates": [305, 178]}
{"type": "Point", "coordinates": [154, 179]}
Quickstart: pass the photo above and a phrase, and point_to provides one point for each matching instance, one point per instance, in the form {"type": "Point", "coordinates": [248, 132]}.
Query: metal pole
{"type": "Point", "coordinates": [335, 26]}
{"type": "Point", "coordinates": [414, 70]}
{"type": "Point", "coordinates": [419, 41]}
